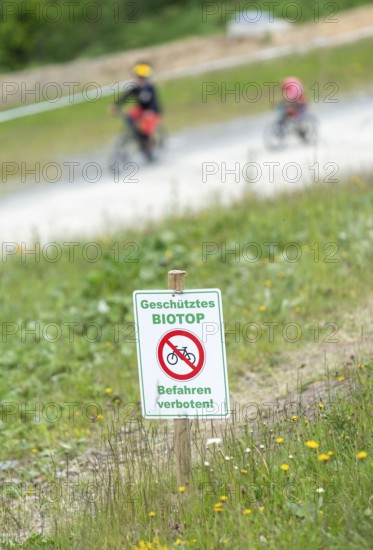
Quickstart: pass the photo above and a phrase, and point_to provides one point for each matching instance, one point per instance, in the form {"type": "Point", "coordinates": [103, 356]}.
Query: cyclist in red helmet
{"type": "Point", "coordinates": [294, 99]}
{"type": "Point", "coordinates": [294, 103]}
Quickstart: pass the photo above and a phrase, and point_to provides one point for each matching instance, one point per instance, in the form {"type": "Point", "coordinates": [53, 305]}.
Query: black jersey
{"type": "Point", "coordinates": [146, 97]}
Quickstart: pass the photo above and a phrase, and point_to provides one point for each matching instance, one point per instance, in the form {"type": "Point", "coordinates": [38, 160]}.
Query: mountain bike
{"type": "Point", "coordinates": [128, 146]}
{"type": "Point", "coordinates": [172, 358]}
{"type": "Point", "coordinates": [278, 133]}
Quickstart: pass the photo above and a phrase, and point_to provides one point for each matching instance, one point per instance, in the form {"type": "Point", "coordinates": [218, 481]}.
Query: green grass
{"type": "Point", "coordinates": [69, 132]}
{"type": "Point", "coordinates": [61, 398]}
{"type": "Point", "coordinates": [39, 300]}
{"type": "Point", "coordinates": [283, 508]}
{"type": "Point", "coordinates": [303, 480]}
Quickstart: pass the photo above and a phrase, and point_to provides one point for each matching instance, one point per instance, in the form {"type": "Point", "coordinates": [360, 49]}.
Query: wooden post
{"type": "Point", "coordinates": [182, 444]}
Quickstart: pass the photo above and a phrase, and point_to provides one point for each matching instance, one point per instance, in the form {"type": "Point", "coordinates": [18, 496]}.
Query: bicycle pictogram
{"type": "Point", "coordinates": [172, 358]}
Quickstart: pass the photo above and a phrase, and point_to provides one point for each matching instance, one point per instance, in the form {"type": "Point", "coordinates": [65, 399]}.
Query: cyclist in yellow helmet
{"type": "Point", "coordinates": [144, 117]}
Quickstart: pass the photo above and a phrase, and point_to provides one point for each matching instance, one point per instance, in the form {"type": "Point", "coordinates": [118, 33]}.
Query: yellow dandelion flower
{"type": "Point", "coordinates": [152, 514]}
{"type": "Point", "coordinates": [279, 440]}
{"type": "Point", "coordinates": [261, 508]}
{"type": "Point", "coordinates": [362, 454]}
{"type": "Point", "coordinates": [218, 505]}
{"type": "Point", "coordinates": [100, 417]}
{"type": "Point", "coordinates": [294, 417]}
{"type": "Point", "coordinates": [246, 512]}
{"type": "Point", "coordinates": [181, 489]}
{"type": "Point", "coordinates": [306, 422]}
{"type": "Point", "coordinates": [341, 378]}
{"type": "Point", "coordinates": [323, 457]}
{"type": "Point", "coordinates": [218, 509]}
{"type": "Point", "coordinates": [178, 542]}
{"type": "Point", "coordinates": [243, 471]}
{"type": "Point", "coordinates": [330, 453]}
{"type": "Point", "coordinates": [108, 390]}
{"type": "Point", "coordinates": [262, 308]}
{"type": "Point", "coordinates": [312, 444]}
{"type": "Point", "coordinates": [321, 405]}
{"type": "Point", "coordinates": [223, 498]}
{"type": "Point", "coordinates": [284, 467]}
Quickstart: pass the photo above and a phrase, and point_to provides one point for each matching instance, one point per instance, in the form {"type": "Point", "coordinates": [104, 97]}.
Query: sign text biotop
{"type": "Point", "coordinates": [181, 353]}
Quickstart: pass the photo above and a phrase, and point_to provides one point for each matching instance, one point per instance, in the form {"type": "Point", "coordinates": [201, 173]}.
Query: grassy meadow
{"type": "Point", "coordinates": [79, 467]}
{"type": "Point", "coordinates": [302, 481]}
{"type": "Point", "coordinates": [69, 380]}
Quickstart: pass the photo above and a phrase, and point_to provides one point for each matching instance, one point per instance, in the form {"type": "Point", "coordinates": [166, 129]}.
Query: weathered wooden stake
{"type": "Point", "coordinates": [182, 445]}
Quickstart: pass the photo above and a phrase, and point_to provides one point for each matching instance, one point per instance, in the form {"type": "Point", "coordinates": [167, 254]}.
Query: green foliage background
{"type": "Point", "coordinates": [34, 32]}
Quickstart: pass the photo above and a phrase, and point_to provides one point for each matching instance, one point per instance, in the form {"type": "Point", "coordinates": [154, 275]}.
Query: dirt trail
{"type": "Point", "coordinates": [183, 53]}
{"type": "Point", "coordinates": [311, 362]}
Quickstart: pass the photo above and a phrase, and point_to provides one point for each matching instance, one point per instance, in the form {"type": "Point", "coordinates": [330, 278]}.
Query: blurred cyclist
{"type": "Point", "coordinates": [144, 117]}
{"type": "Point", "coordinates": [294, 103]}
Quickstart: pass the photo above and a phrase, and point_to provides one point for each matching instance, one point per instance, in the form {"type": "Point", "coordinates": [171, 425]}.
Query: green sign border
{"type": "Point", "coordinates": [225, 370]}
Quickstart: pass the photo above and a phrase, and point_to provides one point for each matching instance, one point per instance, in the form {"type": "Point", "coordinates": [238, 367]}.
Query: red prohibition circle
{"type": "Point", "coordinates": [195, 369]}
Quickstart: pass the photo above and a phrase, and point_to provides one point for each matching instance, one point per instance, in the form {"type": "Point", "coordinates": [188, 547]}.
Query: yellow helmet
{"type": "Point", "coordinates": [143, 70]}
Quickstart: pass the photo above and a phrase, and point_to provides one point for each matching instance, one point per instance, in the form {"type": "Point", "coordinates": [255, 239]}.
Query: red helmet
{"type": "Point", "coordinates": [292, 88]}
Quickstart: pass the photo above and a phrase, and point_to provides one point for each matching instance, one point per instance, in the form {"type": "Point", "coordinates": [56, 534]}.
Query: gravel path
{"type": "Point", "coordinates": [191, 175]}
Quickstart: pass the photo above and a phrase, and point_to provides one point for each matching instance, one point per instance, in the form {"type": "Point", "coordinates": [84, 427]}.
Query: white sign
{"type": "Point", "coordinates": [181, 353]}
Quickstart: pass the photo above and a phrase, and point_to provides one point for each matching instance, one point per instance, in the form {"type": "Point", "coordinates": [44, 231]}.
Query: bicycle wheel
{"type": "Point", "coordinates": [308, 129]}
{"type": "Point", "coordinates": [172, 358]}
{"type": "Point", "coordinates": [159, 138]}
{"type": "Point", "coordinates": [191, 357]}
{"type": "Point", "coordinates": [275, 136]}
{"type": "Point", "coordinates": [123, 149]}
